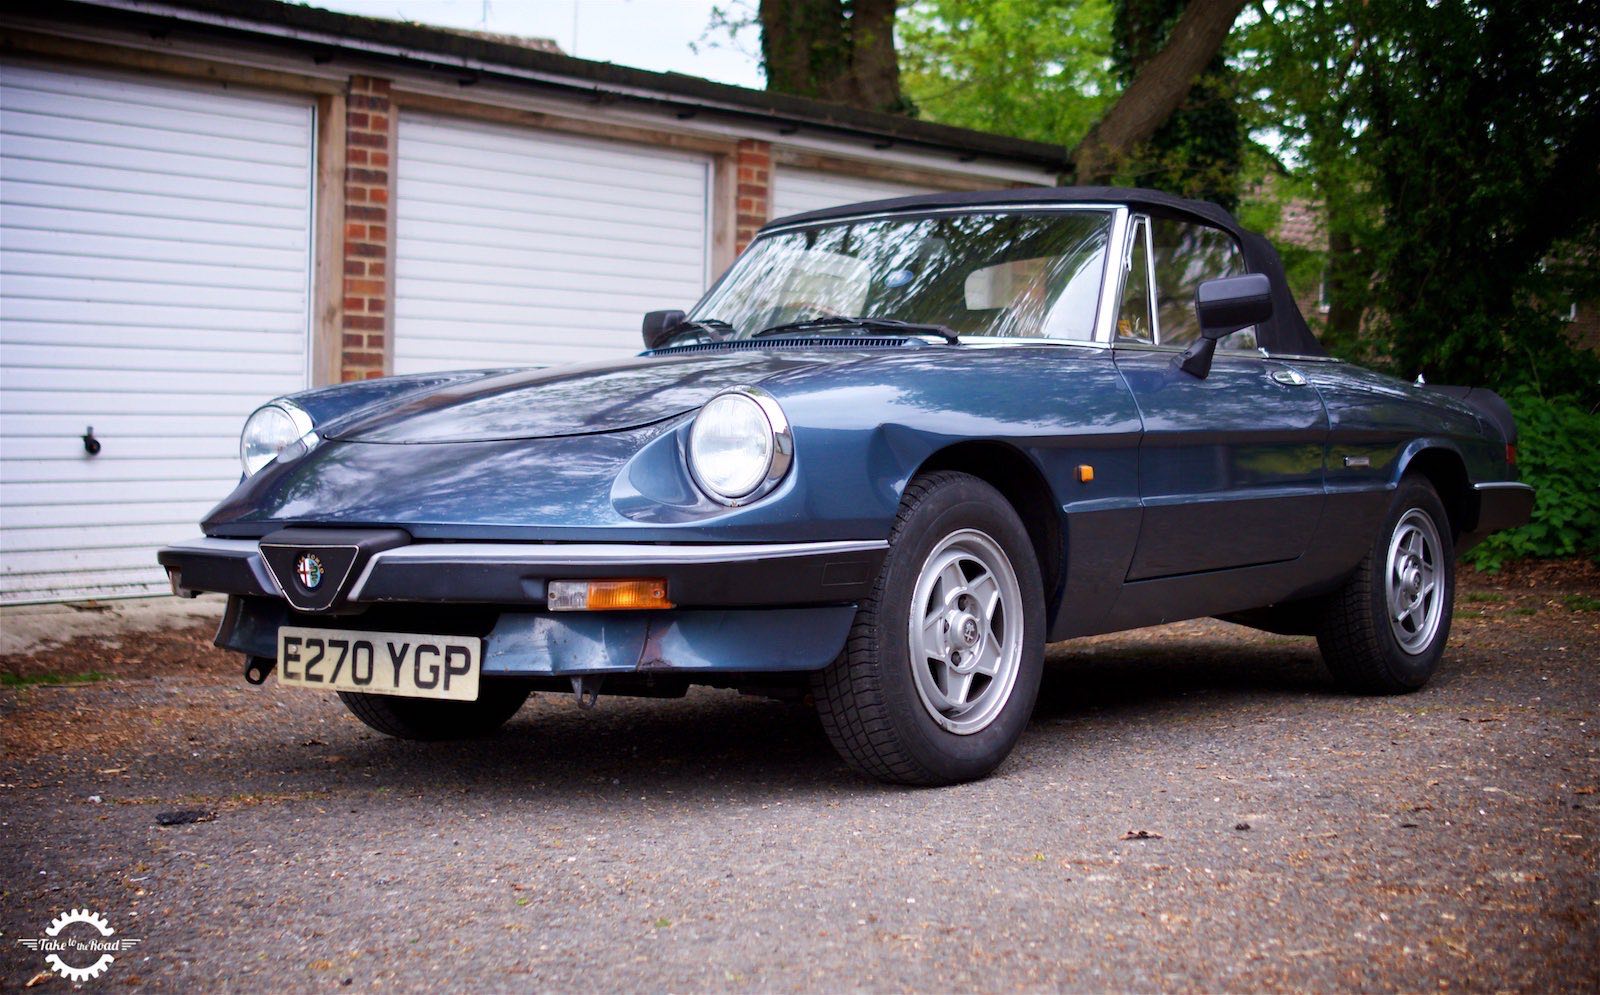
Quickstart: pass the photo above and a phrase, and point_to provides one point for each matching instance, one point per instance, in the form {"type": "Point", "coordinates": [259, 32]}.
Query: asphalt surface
{"type": "Point", "coordinates": [1297, 839]}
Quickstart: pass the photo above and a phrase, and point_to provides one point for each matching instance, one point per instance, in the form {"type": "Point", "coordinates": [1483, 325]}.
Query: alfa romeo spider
{"type": "Point", "coordinates": [895, 450]}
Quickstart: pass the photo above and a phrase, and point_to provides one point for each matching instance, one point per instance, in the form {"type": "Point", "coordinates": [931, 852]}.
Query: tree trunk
{"type": "Point", "coordinates": [836, 50]}
{"type": "Point", "coordinates": [1158, 88]}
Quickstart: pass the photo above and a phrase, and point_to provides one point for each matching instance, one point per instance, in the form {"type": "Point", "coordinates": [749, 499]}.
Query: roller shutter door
{"type": "Point", "coordinates": [517, 247]}
{"type": "Point", "coordinates": [154, 279]}
{"type": "Point", "coordinates": [796, 191]}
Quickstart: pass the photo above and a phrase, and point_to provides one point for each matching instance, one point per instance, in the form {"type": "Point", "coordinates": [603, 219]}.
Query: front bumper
{"type": "Point", "coordinates": [720, 576]}
{"type": "Point", "coordinates": [739, 608]}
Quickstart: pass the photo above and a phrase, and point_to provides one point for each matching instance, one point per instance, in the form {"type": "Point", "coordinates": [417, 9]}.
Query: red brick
{"type": "Point", "coordinates": [355, 231]}
{"type": "Point", "coordinates": [357, 119]}
{"type": "Point", "coordinates": [376, 305]}
{"type": "Point", "coordinates": [375, 340]}
{"type": "Point", "coordinates": [355, 267]}
{"type": "Point", "coordinates": [367, 249]}
{"type": "Point", "coordinates": [379, 195]}
{"type": "Point", "coordinates": [380, 160]}
{"type": "Point", "coordinates": [354, 193]}
{"type": "Point", "coordinates": [353, 341]}
{"type": "Point", "coordinates": [363, 323]}
{"type": "Point", "coordinates": [377, 232]}
{"type": "Point", "coordinates": [368, 139]}
{"type": "Point", "coordinates": [354, 174]}
{"type": "Point", "coordinates": [355, 304]}
{"type": "Point", "coordinates": [369, 288]}
{"type": "Point", "coordinates": [366, 212]}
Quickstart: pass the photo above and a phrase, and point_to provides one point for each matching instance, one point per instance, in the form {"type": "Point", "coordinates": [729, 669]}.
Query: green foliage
{"type": "Point", "coordinates": [11, 680]}
{"type": "Point", "coordinates": [1482, 131]}
{"type": "Point", "coordinates": [1036, 69]}
{"type": "Point", "coordinates": [1198, 152]}
{"type": "Point", "coordinates": [1555, 451]}
{"type": "Point", "coordinates": [1452, 144]}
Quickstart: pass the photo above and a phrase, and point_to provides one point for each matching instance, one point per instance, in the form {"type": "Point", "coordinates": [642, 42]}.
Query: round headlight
{"type": "Point", "coordinates": [740, 445]}
{"type": "Point", "coordinates": [268, 432]}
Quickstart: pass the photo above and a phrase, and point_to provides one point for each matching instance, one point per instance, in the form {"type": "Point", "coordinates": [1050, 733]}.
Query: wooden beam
{"type": "Point", "coordinates": [592, 127]}
{"type": "Point", "coordinates": [327, 270]}
{"type": "Point", "coordinates": [55, 47]}
{"type": "Point", "coordinates": [886, 171]}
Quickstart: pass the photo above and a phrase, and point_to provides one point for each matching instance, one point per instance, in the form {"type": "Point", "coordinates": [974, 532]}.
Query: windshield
{"type": "Point", "coordinates": [1009, 274]}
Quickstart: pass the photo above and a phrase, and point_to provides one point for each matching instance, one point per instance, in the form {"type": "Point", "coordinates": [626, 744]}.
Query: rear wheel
{"type": "Point", "coordinates": [426, 719]}
{"type": "Point", "coordinates": [943, 664]}
{"type": "Point", "coordinates": [1385, 631]}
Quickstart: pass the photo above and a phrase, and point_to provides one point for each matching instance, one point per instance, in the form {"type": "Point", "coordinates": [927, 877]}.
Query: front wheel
{"type": "Point", "coordinates": [1385, 630]}
{"type": "Point", "coordinates": [943, 664]}
{"type": "Point", "coordinates": [429, 720]}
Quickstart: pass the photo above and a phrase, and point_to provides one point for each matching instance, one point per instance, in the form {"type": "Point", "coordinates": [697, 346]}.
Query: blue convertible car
{"type": "Point", "coordinates": [894, 451]}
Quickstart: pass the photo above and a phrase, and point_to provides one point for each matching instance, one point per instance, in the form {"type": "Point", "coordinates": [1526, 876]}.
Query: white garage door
{"type": "Point", "coordinates": [154, 273]}
{"type": "Point", "coordinates": [796, 191]}
{"type": "Point", "coordinates": [516, 247]}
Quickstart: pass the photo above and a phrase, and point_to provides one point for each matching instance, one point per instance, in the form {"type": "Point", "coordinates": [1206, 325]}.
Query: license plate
{"type": "Point", "coordinates": [399, 663]}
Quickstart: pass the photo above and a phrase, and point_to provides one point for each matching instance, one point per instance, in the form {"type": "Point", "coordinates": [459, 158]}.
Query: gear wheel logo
{"type": "Point", "coordinates": [95, 949]}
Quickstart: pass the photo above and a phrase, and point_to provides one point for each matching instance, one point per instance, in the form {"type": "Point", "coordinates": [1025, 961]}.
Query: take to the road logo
{"type": "Point", "coordinates": [79, 945]}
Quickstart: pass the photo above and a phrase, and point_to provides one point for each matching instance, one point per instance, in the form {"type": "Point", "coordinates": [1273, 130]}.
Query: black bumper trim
{"type": "Point", "coordinates": [722, 576]}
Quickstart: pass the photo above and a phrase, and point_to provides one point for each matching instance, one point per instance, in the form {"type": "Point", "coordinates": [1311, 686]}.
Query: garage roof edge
{"type": "Point", "coordinates": [439, 48]}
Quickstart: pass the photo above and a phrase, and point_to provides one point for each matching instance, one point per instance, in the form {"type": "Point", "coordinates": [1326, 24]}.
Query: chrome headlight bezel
{"type": "Point", "coordinates": [779, 448]}
{"type": "Point", "coordinates": [296, 426]}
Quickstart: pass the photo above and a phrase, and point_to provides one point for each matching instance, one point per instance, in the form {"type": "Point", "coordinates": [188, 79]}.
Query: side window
{"type": "Point", "coordinates": [1187, 255]}
{"type": "Point", "coordinates": [1133, 316]}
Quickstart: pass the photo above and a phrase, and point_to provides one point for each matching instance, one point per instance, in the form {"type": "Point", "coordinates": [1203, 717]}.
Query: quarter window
{"type": "Point", "coordinates": [1134, 322]}
{"type": "Point", "coordinates": [1186, 255]}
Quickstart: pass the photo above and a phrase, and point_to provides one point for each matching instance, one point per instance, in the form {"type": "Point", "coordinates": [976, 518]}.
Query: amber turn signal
{"type": "Point", "coordinates": [631, 594]}
{"type": "Point", "coordinates": [1085, 473]}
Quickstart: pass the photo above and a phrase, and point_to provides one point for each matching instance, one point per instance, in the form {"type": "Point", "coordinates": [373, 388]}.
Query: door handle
{"type": "Point", "coordinates": [1289, 378]}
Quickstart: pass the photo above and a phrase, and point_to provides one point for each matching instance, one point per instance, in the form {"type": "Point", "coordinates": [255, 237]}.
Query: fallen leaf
{"type": "Point", "coordinates": [1140, 834]}
{"type": "Point", "coordinates": [38, 979]}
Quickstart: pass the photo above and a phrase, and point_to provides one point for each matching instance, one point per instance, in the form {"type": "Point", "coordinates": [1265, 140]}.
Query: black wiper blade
{"type": "Point", "coordinates": [718, 329]}
{"type": "Point", "coordinates": [865, 322]}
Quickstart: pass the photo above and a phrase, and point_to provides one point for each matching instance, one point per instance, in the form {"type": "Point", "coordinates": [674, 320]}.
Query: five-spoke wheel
{"type": "Point", "coordinates": [966, 632]}
{"type": "Point", "coordinates": [942, 668]}
{"type": "Point", "coordinates": [1384, 631]}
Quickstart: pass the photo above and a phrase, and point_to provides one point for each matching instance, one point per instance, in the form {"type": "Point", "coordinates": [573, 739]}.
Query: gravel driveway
{"type": "Point", "coordinates": [1296, 838]}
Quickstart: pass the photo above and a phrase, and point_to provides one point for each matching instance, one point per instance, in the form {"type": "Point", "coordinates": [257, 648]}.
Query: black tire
{"type": "Point", "coordinates": [429, 720]}
{"type": "Point", "coordinates": [868, 699]}
{"type": "Point", "coordinates": [1359, 645]}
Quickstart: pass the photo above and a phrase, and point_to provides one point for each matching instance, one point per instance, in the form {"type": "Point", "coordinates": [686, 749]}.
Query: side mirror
{"type": "Point", "coordinates": [659, 325]}
{"type": "Point", "coordinates": [1224, 306]}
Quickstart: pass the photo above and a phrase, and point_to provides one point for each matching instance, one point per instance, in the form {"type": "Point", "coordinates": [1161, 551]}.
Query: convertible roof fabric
{"type": "Point", "coordinates": [1286, 333]}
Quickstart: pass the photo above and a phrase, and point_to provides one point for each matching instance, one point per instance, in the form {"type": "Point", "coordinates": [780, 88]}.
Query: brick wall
{"type": "Point", "coordinates": [754, 190]}
{"type": "Point", "coordinates": [369, 130]}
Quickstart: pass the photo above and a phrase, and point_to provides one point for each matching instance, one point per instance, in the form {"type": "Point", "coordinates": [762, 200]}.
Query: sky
{"type": "Point", "coordinates": [646, 34]}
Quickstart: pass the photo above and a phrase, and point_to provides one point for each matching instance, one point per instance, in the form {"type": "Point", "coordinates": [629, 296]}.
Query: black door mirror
{"type": "Point", "coordinates": [659, 326]}
{"type": "Point", "coordinates": [1224, 306]}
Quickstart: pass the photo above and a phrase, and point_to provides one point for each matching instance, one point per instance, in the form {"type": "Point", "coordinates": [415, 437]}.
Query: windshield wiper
{"type": "Point", "coordinates": [866, 322]}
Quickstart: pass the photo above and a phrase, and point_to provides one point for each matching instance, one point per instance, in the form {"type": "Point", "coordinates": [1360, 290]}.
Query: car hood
{"type": "Point", "coordinates": [570, 400]}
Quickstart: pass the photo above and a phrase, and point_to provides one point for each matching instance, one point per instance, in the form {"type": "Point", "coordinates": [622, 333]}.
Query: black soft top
{"type": "Point", "coordinates": [1286, 333]}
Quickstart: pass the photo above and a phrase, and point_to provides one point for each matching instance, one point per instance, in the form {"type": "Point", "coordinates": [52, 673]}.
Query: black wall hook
{"type": "Point", "coordinates": [91, 445]}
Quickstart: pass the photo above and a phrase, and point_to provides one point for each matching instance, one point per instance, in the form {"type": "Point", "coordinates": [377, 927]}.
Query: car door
{"type": "Point", "coordinates": [1231, 465]}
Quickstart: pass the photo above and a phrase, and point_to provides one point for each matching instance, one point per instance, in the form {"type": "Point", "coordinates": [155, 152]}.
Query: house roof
{"type": "Point", "coordinates": [473, 56]}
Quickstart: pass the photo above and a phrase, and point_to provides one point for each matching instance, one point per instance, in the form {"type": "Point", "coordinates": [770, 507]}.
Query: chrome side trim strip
{"type": "Point", "coordinates": [221, 547]}
{"type": "Point", "coordinates": [1502, 485]}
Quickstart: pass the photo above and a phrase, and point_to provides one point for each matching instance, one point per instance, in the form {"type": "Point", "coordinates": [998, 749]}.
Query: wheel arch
{"type": "Point", "coordinates": [1443, 467]}
{"type": "Point", "coordinates": [1021, 482]}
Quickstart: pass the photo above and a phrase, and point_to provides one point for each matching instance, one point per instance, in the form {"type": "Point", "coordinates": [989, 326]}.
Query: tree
{"type": "Point", "coordinates": [1037, 69]}
{"type": "Point", "coordinates": [837, 50]}
{"type": "Point", "coordinates": [1483, 134]}
{"type": "Point", "coordinates": [1157, 89]}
